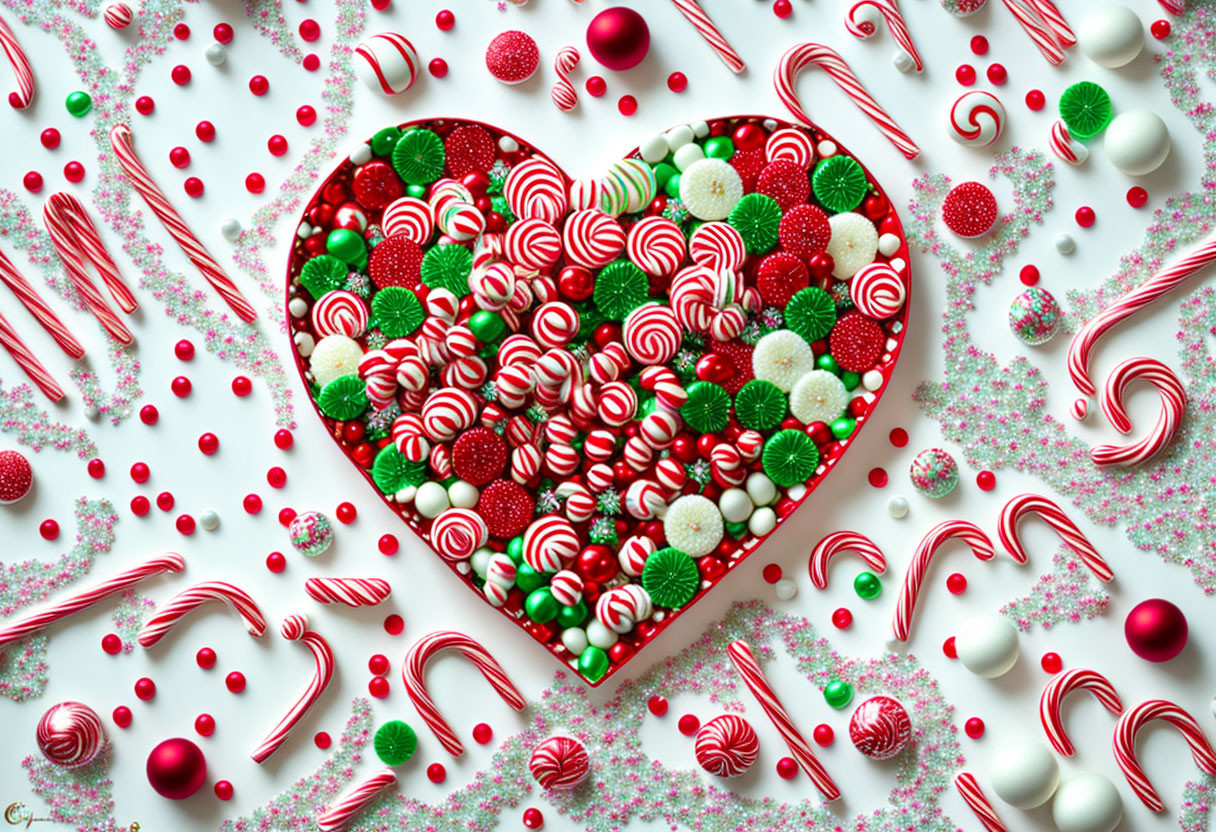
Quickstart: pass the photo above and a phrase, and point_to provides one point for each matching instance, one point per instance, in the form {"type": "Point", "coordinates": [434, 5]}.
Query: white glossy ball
{"type": "Point", "coordinates": [406, 495]}
{"type": "Point", "coordinates": [786, 589]}
{"type": "Point", "coordinates": [1087, 803]}
{"type": "Point", "coordinates": [1111, 36]}
{"type": "Point", "coordinates": [897, 507]}
{"type": "Point", "coordinates": [231, 229]}
{"type": "Point", "coordinates": [678, 136]}
{"type": "Point", "coordinates": [209, 520]}
{"type": "Point", "coordinates": [508, 145]}
{"type": "Point", "coordinates": [361, 155]}
{"type": "Point", "coordinates": [298, 307]}
{"type": "Point", "coordinates": [888, 244]}
{"type": "Point", "coordinates": [481, 559]}
{"type": "Point", "coordinates": [761, 489]}
{"type": "Point", "coordinates": [700, 129]}
{"type": "Point", "coordinates": [762, 521]}
{"type": "Point", "coordinates": [987, 645]}
{"type": "Point", "coordinates": [431, 499]}
{"type": "Point", "coordinates": [654, 150]}
{"type": "Point", "coordinates": [903, 62]}
{"type": "Point", "coordinates": [600, 636]}
{"type": "Point", "coordinates": [305, 343]}
{"type": "Point", "coordinates": [463, 494]}
{"type": "Point", "coordinates": [1025, 774]}
{"type": "Point", "coordinates": [574, 639]}
{"type": "Point", "coordinates": [1137, 142]}
{"type": "Point", "coordinates": [735, 505]}
{"type": "Point", "coordinates": [216, 54]}
{"type": "Point", "coordinates": [796, 492]}
{"type": "Point", "coordinates": [686, 155]}
{"type": "Point", "coordinates": [1065, 244]}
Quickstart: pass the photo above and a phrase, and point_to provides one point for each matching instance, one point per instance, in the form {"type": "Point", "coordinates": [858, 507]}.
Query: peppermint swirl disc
{"type": "Point", "coordinates": [533, 244]}
{"type": "Point", "coordinates": [70, 734]}
{"type": "Point", "coordinates": [340, 313]}
{"type": "Point", "coordinates": [447, 412]}
{"type": "Point", "coordinates": [592, 239]}
{"type": "Point", "coordinates": [656, 245]}
{"type": "Point", "coordinates": [878, 291]}
{"type": "Point", "coordinates": [536, 189]}
{"type": "Point", "coordinates": [727, 746]}
{"type": "Point", "coordinates": [790, 144]}
{"type": "Point", "coordinates": [408, 217]}
{"type": "Point", "coordinates": [550, 543]}
{"type": "Point", "coordinates": [652, 334]}
{"type": "Point", "coordinates": [559, 763]}
{"type": "Point", "coordinates": [880, 728]}
{"type": "Point", "coordinates": [977, 119]}
{"type": "Point", "coordinates": [458, 532]}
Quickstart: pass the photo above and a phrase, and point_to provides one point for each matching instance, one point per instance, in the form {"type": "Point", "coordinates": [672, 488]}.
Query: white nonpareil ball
{"type": "Point", "coordinates": [1111, 36]}
{"type": "Point", "coordinates": [1025, 774]}
{"type": "Point", "coordinates": [1137, 142]}
{"type": "Point", "coordinates": [987, 645]}
{"type": "Point", "coordinates": [1087, 803]}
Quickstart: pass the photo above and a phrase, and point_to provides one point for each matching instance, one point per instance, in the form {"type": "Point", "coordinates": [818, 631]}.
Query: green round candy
{"type": "Point", "coordinates": [541, 606]}
{"type": "Point", "coordinates": [391, 471]}
{"type": "Point", "coordinates": [487, 325]}
{"type": "Point", "coordinates": [671, 577]}
{"type": "Point", "coordinates": [760, 405]}
{"type": "Point", "coordinates": [323, 274]}
{"type": "Point", "coordinates": [867, 585]}
{"type": "Point", "coordinates": [343, 398]}
{"type": "Point", "coordinates": [663, 173]}
{"type": "Point", "coordinates": [1085, 109]}
{"type": "Point", "coordinates": [719, 147]}
{"type": "Point", "coordinates": [395, 742]}
{"type": "Point", "coordinates": [811, 313]}
{"type": "Point", "coordinates": [735, 530]}
{"type": "Point", "coordinates": [397, 311]}
{"type": "Point", "coordinates": [826, 362]}
{"type": "Point", "coordinates": [515, 550]}
{"type": "Point", "coordinates": [757, 218]}
{"type": "Point", "coordinates": [385, 140]}
{"type": "Point", "coordinates": [346, 245]}
{"type": "Point", "coordinates": [448, 266]}
{"type": "Point", "coordinates": [838, 694]}
{"type": "Point", "coordinates": [620, 288]}
{"type": "Point", "coordinates": [789, 457]}
{"type": "Point", "coordinates": [707, 408]}
{"type": "Point", "coordinates": [416, 191]}
{"type": "Point", "coordinates": [572, 616]}
{"type": "Point", "coordinates": [592, 663]}
{"type": "Point", "coordinates": [418, 156]}
{"type": "Point", "coordinates": [78, 103]}
{"type": "Point", "coordinates": [839, 183]}
{"type": "Point", "coordinates": [843, 427]}
{"type": "Point", "coordinates": [528, 579]}
{"type": "Point", "coordinates": [850, 380]}
{"type": "Point", "coordinates": [672, 187]}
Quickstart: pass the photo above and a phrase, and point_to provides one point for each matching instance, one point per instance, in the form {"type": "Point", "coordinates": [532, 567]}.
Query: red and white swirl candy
{"type": "Point", "coordinates": [1130, 723]}
{"type": "Point", "coordinates": [790, 145]}
{"type": "Point", "coordinates": [621, 608]}
{"type": "Point", "coordinates": [971, 793]}
{"type": "Point", "coordinates": [718, 246]}
{"type": "Point", "coordinates": [977, 119]}
{"type": "Point", "coordinates": [534, 244]}
{"type": "Point", "coordinates": [118, 15]}
{"type": "Point", "coordinates": [447, 412]}
{"type": "Point", "coordinates": [410, 438]}
{"type": "Point", "coordinates": [555, 324]}
{"type": "Point", "coordinates": [665, 385]}
{"type": "Point", "coordinates": [633, 554]}
{"type": "Point", "coordinates": [600, 478]}
{"type": "Point", "coordinates": [295, 628]}
{"type": "Point", "coordinates": [387, 62]}
{"type": "Point", "coordinates": [462, 221]}
{"type": "Point", "coordinates": [563, 95]}
{"type": "Point", "coordinates": [408, 217]}
{"type": "Point", "coordinates": [727, 746]}
{"type": "Point", "coordinates": [843, 541]}
{"type": "Point", "coordinates": [440, 461]}
{"type": "Point", "coordinates": [645, 499]}
{"type": "Point", "coordinates": [1053, 696]}
{"type": "Point", "coordinates": [656, 245]}
{"type": "Point", "coordinates": [70, 734]}
{"type": "Point", "coordinates": [550, 543]}
{"type": "Point", "coordinates": [1173, 406]}
{"type": "Point", "coordinates": [442, 304]}
{"type": "Point", "coordinates": [567, 587]}
{"type": "Point", "coordinates": [670, 474]}
{"type": "Point", "coordinates": [637, 454]}
{"type": "Point", "coordinates": [458, 532]}
{"type": "Point", "coordinates": [501, 570]}
{"type": "Point", "coordinates": [592, 239]}
{"type": "Point", "coordinates": [1065, 146]}
{"type": "Point", "coordinates": [518, 349]}
{"type": "Point", "coordinates": [559, 762]}
{"type": "Point", "coordinates": [1061, 523]}
{"type": "Point", "coordinates": [878, 291]}
{"type": "Point", "coordinates": [340, 313]}
{"type": "Point", "coordinates": [652, 334]}
{"type": "Point", "coordinates": [585, 193]}
{"type": "Point", "coordinates": [880, 728]}
{"type": "Point", "coordinates": [525, 463]}
{"type": "Point", "coordinates": [580, 505]}
{"type": "Point", "coordinates": [536, 189]}
{"type": "Point", "coordinates": [618, 403]}
{"type": "Point", "coordinates": [353, 592]}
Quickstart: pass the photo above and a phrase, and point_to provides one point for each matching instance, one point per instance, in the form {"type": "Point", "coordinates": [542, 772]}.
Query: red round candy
{"type": "Point", "coordinates": [969, 209]}
{"type": "Point", "coordinates": [208, 443]}
{"type": "Point", "coordinates": [193, 187]}
{"type": "Point", "coordinates": [772, 573]}
{"type": "Point", "coordinates": [1156, 630]}
{"type": "Point", "coordinates": [275, 562]}
{"type": "Point", "coordinates": [140, 472]}
{"type": "Point", "coordinates": [438, 67]}
{"type": "Point", "coordinates": [378, 664]}
{"type": "Point", "coordinates": [310, 29]}
{"type": "Point", "coordinates": [1035, 100]}
{"type": "Point", "coordinates": [997, 74]}
{"type": "Point", "coordinates": [823, 735]}
{"type": "Point", "coordinates": [122, 716]}
{"type": "Point", "coordinates": [677, 82]}
{"type": "Point", "coordinates": [32, 181]}
{"type": "Point", "coordinates": [73, 171]}
{"type": "Point", "coordinates": [306, 115]}
{"type": "Point", "coordinates": [877, 477]}
{"type": "Point", "coordinates": [322, 740]}
{"type": "Point", "coordinates": [783, 8]}
{"type": "Point", "coordinates": [204, 724]}
{"type": "Point", "coordinates": [282, 437]}
{"type": "Point", "coordinates": [965, 74]}
{"type": "Point", "coordinates": [346, 512]}
{"type": "Point", "coordinates": [1029, 275]}
{"type": "Point", "coordinates": [445, 20]}
{"type": "Point", "coordinates": [179, 157]}
{"type": "Point", "coordinates": [842, 619]}
{"type": "Point", "coordinates": [397, 261]}
{"type": "Point", "coordinates": [393, 625]}
{"type": "Point", "coordinates": [856, 342]}
{"type": "Point", "coordinates": [205, 131]}
{"type": "Point", "coordinates": [974, 727]}
{"type": "Point", "coordinates": [533, 818]}
{"type": "Point", "coordinates": [512, 57]}
{"type": "Point", "coordinates": [378, 687]}
{"type": "Point", "coordinates": [1137, 197]}
{"type": "Point", "coordinates": [898, 437]}
{"type": "Point", "coordinates": [50, 136]}
{"type": "Point", "coordinates": [979, 45]}
{"type": "Point", "coordinates": [49, 529]}
{"type": "Point", "coordinates": [482, 733]}
{"type": "Point", "coordinates": [277, 145]}
{"type": "Point", "coordinates": [96, 469]}
{"type": "Point", "coordinates": [312, 61]}
{"type": "Point", "coordinates": [252, 503]}
{"type": "Point", "coordinates": [787, 768]}
{"type": "Point", "coordinates": [804, 230]}
{"type": "Point", "coordinates": [479, 456]}
{"type": "Point", "coordinates": [145, 688]}
{"type": "Point", "coordinates": [688, 724]}
{"type": "Point", "coordinates": [596, 86]}
{"type": "Point", "coordinates": [181, 31]}
{"type": "Point", "coordinates": [224, 790]}
{"type": "Point", "coordinates": [627, 105]}
{"type": "Point", "coordinates": [657, 705]}
{"type": "Point", "coordinates": [235, 681]}
{"type": "Point", "coordinates": [180, 75]}
{"type": "Point", "coordinates": [507, 508]}
{"type": "Point", "coordinates": [164, 501]}
{"type": "Point", "coordinates": [1085, 216]}
{"type": "Point", "coordinates": [1161, 29]}
{"type": "Point", "coordinates": [436, 773]}
{"type": "Point", "coordinates": [780, 276]}
{"type": "Point", "coordinates": [286, 515]}
{"type": "Point", "coordinates": [111, 644]}
{"type": "Point", "coordinates": [949, 649]}
{"type": "Point", "coordinates": [185, 524]}
{"type": "Point", "coordinates": [376, 185]}
{"type": "Point", "coordinates": [205, 657]}
{"type": "Point", "coordinates": [1051, 662]}
{"type": "Point", "coordinates": [986, 480]}
{"type": "Point", "coordinates": [786, 182]}
{"type": "Point", "coordinates": [277, 477]}
{"type": "Point", "coordinates": [388, 544]}
{"type": "Point", "coordinates": [222, 32]}
{"type": "Point", "coordinates": [144, 105]}
{"type": "Point", "coordinates": [956, 583]}
{"type": "Point", "coordinates": [258, 85]}
{"type": "Point", "coordinates": [148, 414]}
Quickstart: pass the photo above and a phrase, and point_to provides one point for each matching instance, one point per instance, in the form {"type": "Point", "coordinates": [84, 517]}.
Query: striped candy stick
{"type": "Point", "coordinates": [969, 789]}
{"type": "Point", "coordinates": [71, 211]}
{"type": "Point", "coordinates": [749, 671]}
{"type": "Point", "coordinates": [37, 307]}
{"type": "Point", "coordinates": [27, 361]}
{"type": "Point", "coordinates": [692, 11]}
{"type": "Point", "coordinates": [180, 605]}
{"type": "Point", "coordinates": [343, 810]}
{"type": "Point", "coordinates": [1061, 523]}
{"type": "Point", "coordinates": [414, 670]}
{"type": "Point", "coordinates": [1173, 406]}
{"type": "Point", "coordinates": [860, 27]}
{"type": "Point", "coordinates": [295, 628]}
{"type": "Point", "coordinates": [353, 592]}
{"type": "Point", "coordinates": [971, 534]}
{"type": "Point", "coordinates": [843, 541]}
{"type": "Point", "coordinates": [1053, 696]}
{"type": "Point", "coordinates": [168, 562]}
{"type": "Point", "coordinates": [1124, 743]}
{"type": "Point", "coordinates": [124, 150]}
{"type": "Point", "coordinates": [1034, 25]}
{"type": "Point", "coordinates": [563, 94]}
{"type": "Point", "coordinates": [1053, 18]}
{"type": "Point", "coordinates": [826, 58]}
{"type": "Point", "coordinates": [1177, 7]}
{"type": "Point", "coordinates": [24, 96]}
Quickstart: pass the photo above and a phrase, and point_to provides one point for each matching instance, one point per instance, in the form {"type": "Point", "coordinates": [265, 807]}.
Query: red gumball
{"type": "Point", "coordinates": [711, 568]}
{"type": "Point", "coordinates": [576, 283]}
{"type": "Point", "coordinates": [685, 449]}
{"type": "Point", "coordinates": [618, 38]}
{"type": "Point", "coordinates": [821, 265]}
{"type": "Point", "coordinates": [706, 444]}
{"type": "Point", "coordinates": [1156, 630]}
{"type": "Point", "coordinates": [597, 563]}
{"type": "Point", "coordinates": [176, 768]}
{"type": "Point", "coordinates": [620, 652]}
{"type": "Point", "coordinates": [749, 136]}
{"type": "Point", "coordinates": [715, 368]}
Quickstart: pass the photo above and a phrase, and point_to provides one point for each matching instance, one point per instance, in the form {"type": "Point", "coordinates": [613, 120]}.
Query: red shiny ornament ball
{"type": "Point", "coordinates": [974, 727]}
{"type": "Point", "coordinates": [445, 20]}
{"type": "Point", "coordinates": [49, 138]}
{"type": "Point", "coordinates": [378, 687]}
{"type": "Point", "coordinates": [842, 619]}
{"type": "Point", "coordinates": [204, 724]}
{"type": "Point", "coordinates": [185, 524]}
{"type": "Point", "coordinates": [277, 477]}
{"type": "Point", "coordinates": [222, 32]}
{"type": "Point", "coordinates": [49, 529]}
{"type": "Point", "coordinates": [627, 106]}
{"type": "Point", "coordinates": [193, 187]}
{"type": "Point", "coordinates": [205, 131]}
{"type": "Point", "coordinates": [823, 735]}
{"type": "Point", "coordinates": [1029, 275]}
{"type": "Point", "coordinates": [73, 171]}
{"type": "Point", "coordinates": [986, 480]}
{"type": "Point", "coordinates": [286, 515]}
{"type": "Point", "coordinates": [180, 75]}
{"type": "Point", "coordinates": [140, 472]}
{"type": "Point", "coordinates": [688, 724]}
{"type": "Point", "coordinates": [181, 31]}
{"type": "Point", "coordinates": [283, 439]}
{"type": "Point", "coordinates": [618, 38]}
{"type": "Point", "coordinates": [436, 773]}
{"type": "Point", "coordinates": [575, 283]}
{"type": "Point", "coordinates": [32, 181]}
{"type": "Point", "coordinates": [242, 386]}
{"type": "Point", "coordinates": [310, 30]}
{"type": "Point", "coordinates": [772, 573]}
{"type": "Point", "coordinates": [111, 644]}
{"type": "Point", "coordinates": [378, 664]}
{"type": "Point", "coordinates": [387, 544]}
{"type": "Point", "coordinates": [122, 716]}
{"type": "Point", "coordinates": [1035, 100]}
{"type": "Point", "coordinates": [223, 790]}
{"type": "Point", "coordinates": [275, 562]}
{"type": "Point", "coordinates": [235, 681]}
{"type": "Point", "coordinates": [997, 74]}
{"type": "Point", "coordinates": [711, 569]}
{"type": "Point", "coordinates": [438, 67]}
{"type": "Point", "coordinates": [782, 8]}
{"type": "Point", "coordinates": [956, 583]}
{"type": "Point", "coordinates": [979, 45]}
{"type": "Point", "coordinates": [1137, 197]}
{"type": "Point", "coordinates": [179, 157]}
{"type": "Point", "coordinates": [657, 705]}
{"type": "Point", "coordinates": [258, 85]}
{"type": "Point", "coordinates": [322, 740]}
{"type": "Point", "coordinates": [394, 624]}
{"type": "Point", "coordinates": [533, 818]}
{"type": "Point", "coordinates": [176, 768]}
{"type": "Point", "coordinates": [821, 265]}
{"type": "Point", "coordinates": [677, 82]}
{"type": "Point", "coordinates": [482, 733]}
{"type": "Point", "coordinates": [948, 648]}
{"type": "Point", "coordinates": [140, 505]}
{"type": "Point", "coordinates": [346, 512]}
{"type": "Point", "coordinates": [1161, 29]}
{"type": "Point", "coordinates": [252, 503]}
{"type": "Point", "coordinates": [205, 658]}
{"type": "Point", "coordinates": [96, 468]}
{"type": "Point", "coordinates": [145, 689]}
{"type": "Point", "coordinates": [208, 443]}
{"type": "Point", "coordinates": [596, 86]}
{"type": "Point", "coordinates": [965, 74]}
{"type": "Point", "coordinates": [1051, 663]}
{"type": "Point", "coordinates": [597, 563]}
{"type": "Point", "coordinates": [749, 136]}
{"type": "Point", "coordinates": [144, 105]}
{"type": "Point", "coordinates": [1085, 216]}
{"type": "Point", "coordinates": [620, 652]}
{"type": "Point", "coordinates": [1156, 630]}
{"type": "Point", "coordinates": [787, 768]}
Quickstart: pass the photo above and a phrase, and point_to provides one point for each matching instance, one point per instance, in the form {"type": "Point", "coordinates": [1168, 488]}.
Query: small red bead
{"type": "Point", "coordinates": [482, 733]}
{"type": "Point", "coordinates": [181, 387]}
{"type": "Point", "coordinates": [252, 503]}
{"type": "Point", "coordinates": [986, 480]}
{"type": "Point", "coordinates": [32, 181]}
{"type": "Point", "coordinates": [677, 82]}
{"type": "Point", "coordinates": [445, 20]}
{"type": "Point", "coordinates": [823, 735]}
{"type": "Point", "coordinates": [223, 790]}
{"type": "Point", "coordinates": [205, 657]}
{"type": "Point", "coordinates": [1029, 275]}
{"type": "Point", "coordinates": [1035, 100]}
{"type": "Point", "coordinates": [877, 477]}
{"type": "Point", "coordinates": [122, 716]}
{"type": "Point", "coordinates": [277, 145]}
{"type": "Point", "coordinates": [179, 157]}
{"type": "Point", "coordinates": [242, 386]}
{"type": "Point", "coordinates": [204, 724]}
{"type": "Point", "coordinates": [393, 625]}
{"type": "Point", "coordinates": [787, 768]}
{"type": "Point", "coordinates": [286, 515]}
{"type": "Point", "coordinates": [842, 618]}
{"type": "Point", "coordinates": [277, 477]}
{"type": "Point", "coordinates": [205, 131]}
{"type": "Point", "coordinates": [180, 75]}
{"type": "Point", "coordinates": [145, 689]}
{"type": "Point", "coordinates": [949, 649]}
{"type": "Point", "coordinates": [436, 773]}
{"type": "Point", "coordinates": [438, 68]}
{"type": "Point", "coordinates": [898, 437]}
{"type": "Point", "coordinates": [275, 562]}
{"type": "Point", "coordinates": [312, 62]}
{"type": "Point", "coordinates": [185, 524]}
{"type": "Point", "coordinates": [144, 105]}
{"type": "Point", "coordinates": [533, 818]}
{"type": "Point", "coordinates": [346, 513]}
{"type": "Point", "coordinates": [283, 439]}
{"type": "Point", "coordinates": [596, 86]}
{"type": "Point", "coordinates": [974, 727]}
{"type": "Point", "coordinates": [50, 137]}
{"type": "Point", "coordinates": [1161, 29]}
{"type": "Point", "coordinates": [306, 115]}
{"type": "Point", "coordinates": [193, 187]}
{"type": "Point", "coordinates": [321, 740]}
{"type": "Point", "coordinates": [378, 664]}
{"type": "Point", "coordinates": [73, 171]}
{"type": "Point", "coordinates": [1051, 662]}
{"type": "Point", "coordinates": [165, 501]}
{"type": "Point", "coordinates": [1137, 197]}
{"type": "Point", "coordinates": [222, 32]}
{"type": "Point", "coordinates": [657, 705]}
{"type": "Point", "coordinates": [997, 74]}
{"type": "Point", "coordinates": [387, 544]}
{"type": "Point", "coordinates": [310, 29]}
{"type": "Point", "coordinates": [965, 74]}
{"type": "Point", "coordinates": [140, 472]}
{"type": "Point", "coordinates": [235, 681]}
{"type": "Point", "coordinates": [97, 469]}
{"type": "Point", "coordinates": [956, 583]}
{"type": "Point", "coordinates": [181, 31]}
{"type": "Point", "coordinates": [782, 8]}
{"type": "Point", "coordinates": [49, 529]}
{"type": "Point", "coordinates": [208, 443]}
{"type": "Point", "coordinates": [688, 724]}
{"type": "Point", "coordinates": [378, 687]}
{"type": "Point", "coordinates": [258, 85]}
{"type": "Point", "coordinates": [628, 105]}
{"type": "Point", "coordinates": [1085, 216]}
{"type": "Point", "coordinates": [772, 573]}
{"type": "Point", "coordinates": [255, 183]}
{"type": "Point", "coordinates": [979, 45]}
{"type": "Point", "coordinates": [140, 505]}
{"type": "Point", "coordinates": [184, 350]}
{"type": "Point", "coordinates": [111, 643]}
{"type": "Point", "coordinates": [148, 414]}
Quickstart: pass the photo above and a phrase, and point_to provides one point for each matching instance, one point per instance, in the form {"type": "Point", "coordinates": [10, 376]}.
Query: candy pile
{"type": "Point", "coordinates": [594, 397]}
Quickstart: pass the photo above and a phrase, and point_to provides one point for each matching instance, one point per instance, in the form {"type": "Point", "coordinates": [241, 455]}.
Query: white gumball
{"type": "Point", "coordinates": [1025, 774]}
{"type": "Point", "coordinates": [431, 500]}
{"type": "Point", "coordinates": [387, 63]}
{"type": "Point", "coordinates": [1087, 803]}
{"type": "Point", "coordinates": [600, 636]}
{"type": "Point", "coordinates": [481, 559]}
{"type": "Point", "coordinates": [762, 521]}
{"type": "Point", "coordinates": [786, 589]}
{"type": "Point", "coordinates": [574, 639]}
{"type": "Point", "coordinates": [463, 494]}
{"type": "Point", "coordinates": [761, 489]}
{"type": "Point", "coordinates": [735, 505]}
{"type": "Point", "coordinates": [1111, 36]}
{"type": "Point", "coordinates": [1137, 141]}
{"type": "Point", "coordinates": [987, 645]}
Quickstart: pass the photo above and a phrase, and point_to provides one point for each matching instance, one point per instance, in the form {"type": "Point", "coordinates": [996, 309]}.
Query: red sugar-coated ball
{"type": "Point", "coordinates": [1156, 630]}
{"type": "Point", "coordinates": [122, 716]}
{"type": "Point", "coordinates": [176, 768]}
{"type": "Point", "coordinates": [482, 733]}
{"type": "Point", "coordinates": [965, 74]}
{"type": "Point", "coordinates": [997, 74]}
{"type": "Point", "coordinates": [688, 724]}
{"type": "Point", "coordinates": [144, 105]}
{"type": "Point", "coordinates": [436, 773]}
{"type": "Point", "coordinates": [235, 681]}
{"type": "Point", "coordinates": [387, 544]}
{"type": "Point", "coordinates": [842, 619]}
{"type": "Point", "coordinates": [956, 583]}
{"type": "Point", "coordinates": [180, 75]}
{"type": "Point", "coordinates": [949, 649]}
{"type": "Point", "coordinates": [275, 562]}
{"type": "Point", "coordinates": [306, 115]}
{"type": "Point", "coordinates": [438, 68]}
{"type": "Point", "coordinates": [193, 187]}
{"type": "Point", "coordinates": [283, 439]}
{"type": "Point", "coordinates": [394, 624]}
{"type": "Point", "coordinates": [49, 529]}
{"type": "Point", "coordinates": [974, 727]}
{"type": "Point", "coordinates": [258, 85]}
{"type": "Point", "coordinates": [223, 790]}
{"type": "Point", "coordinates": [242, 386]}
{"type": "Point", "coordinates": [32, 181]}
{"type": "Point", "coordinates": [145, 688]}
{"type": "Point", "coordinates": [677, 82]}
{"type": "Point", "coordinates": [1035, 100]}
{"type": "Point", "coordinates": [1051, 663]}
{"type": "Point", "coordinates": [445, 20]}
{"type": "Point", "coordinates": [823, 735]}
{"type": "Point", "coordinates": [50, 138]}
{"type": "Point", "coordinates": [533, 818]}
{"type": "Point", "coordinates": [787, 768]}
{"type": "Point", "coordinates": [657, 705]}
{"type": "Point", "coordinates": [1137, 197]}
{"type": "Point", "coordinates": [111, 644]}
{"type": "Point", "coordinates": [96, 468]}
{"type": "Point", "coordinates": [378, 687]}
{"type": "Point", "coordinates": [322, 740]}
{"type": "Point", "coordinates": [204, 724]}
{"type": "Point", "coordinates": [979, 45]}
{"type": "Point", "coordinates": [205, 131]}
{"type": "Point", "coordinates": [205, 657]}
{"type": "Point", "coordinates": [140, 505]}
{"type": "Point", "coordinates": [222, 32]}
{"type": "Point", "coordinates": [596, 86]}
{"type": "Point", "coordinates": [378, 664]}
{"type": "Point", "coordinates": [185, 524]}
{"type": "Point", "coordinates": [618, 38]}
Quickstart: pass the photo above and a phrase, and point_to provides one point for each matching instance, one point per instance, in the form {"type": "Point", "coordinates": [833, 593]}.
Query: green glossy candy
{"type": "Point", "coordinates": [515, 550]}
{"type": "Point", "coordinates": [385, 140]}
{"type": "Point", "coordinates": [760, 405]}
{"type": "Point", "coordinates": [528, 579]}
{"type": "Point", "coordinates": [397, 310]}
{"type": "Point", "coordinates": [735, 530]}
{"type": "Point", "coordinates": [395, 742]}
{"type": "Point", "coordinates": [826, 362]}
{"type": "Point", "coordinates": [1085, 109]}
{"type": "Point", "coordinates": [486, 325]}
{"type": "Point", "coordinates": [572, 616]}
{"type": "Point", "coordinates": [672, 186]}
{"type": "Point", "coordinates": [867, 585]}
{"type": "Point", "coordinates": [838, 694]}
{"type": "Point", "coordinates": [416, 191]}
{"type": "Point", "coordinates": [663, 173]}
{"type": "Point", "coordinates": [719, 147]}
{"type": "Point", "coordinates": [593, 663]}
{"type": "Point", "coordinates": [346, 245]}
{"type": "Point", "coordinates": [843, 427]}
{"type": "Point", "coordinates": [78, 103]}
{"type": "Point", "coordinates": [851, 380]}
{"type": "Point", "coordinates": [541, 606]}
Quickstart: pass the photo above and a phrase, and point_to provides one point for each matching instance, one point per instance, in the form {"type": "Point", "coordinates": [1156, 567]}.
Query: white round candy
{"type": "Point", "coordinates": [826, 149]}
{"type": "Point", "coordinates": [762, 521]}
{"type": "Point", "coordinates": [735, 505]}
{"type": "Point", "coordinates": [209, 520]}
{"type": "Point", "coordinates": [872, 380]}
{"type": "Point", "coordinates": [687, 154]}
{"type": "Point", "coordinates": [888, 244]}
{"type": "Point", "coordinates": [1111, 36]}
{"type": "Point", "coordinates": [1087, 803]}
{"type": "Point", "coordinates": [463, 494]}
{"type": "Point", "coordinates": [216, 54]}
{"type": "Point", "coordinates": [575, 640]}
{"type": "Point", "coordinates": [298, 307]}
{"type": "Point", "coordinates": [786, 589]}
{"type": "Point", "coordinates": [903, 62]}
{"type": "Point", "coordinates": [1137, 142]}
{"type": "Point", "coordinates": [677, 137]}
{"type": "Point", "coordinates": [600, 636]}
{"type": "Point", "coordinates": [987, 645]}
{"type": "Point", "coordinates": [796, 492]}
{"type": "Point", "coordinates": [387, 63]}
{"type": "Point", "coordinates": [305, 344]}
{"type": "Point", "coordinates": [334, 356]}
{"type": "Point", "coordinates": [761, 489]}
{"type": "Point", "coordinates": [431, 500]}
{"type": "Point", "coordinates": [897, 507]}
{"type": "Point", "coordinates": [508, 145]}
{"type": "Point", "coordinates": [481, 559]}
{"type": "Point", "coordinates": [361, 155]}
{"type": "Point", "coordinates": [654, 150]}
{"type": "Point", "coordinates": [406, 495]}
{"type": "Point", "coordinates": [1065, 244]}
{"type": "Point", "coordinates": [231, 229]}
{"type": "Point", "coordinates": [1025, 774]}
{"type": "Point", "coordinates": [700, 129]}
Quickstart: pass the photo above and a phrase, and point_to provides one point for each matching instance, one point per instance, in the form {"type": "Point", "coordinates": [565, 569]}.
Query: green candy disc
{"type": "Point", "coordinates": [620, 288]}
{"type": "Point", "coordinates": [418, 156]}
{"type": "Point", "coordinates": [343, 398]}
{"type": "Point", "coordinates": [448, 267]}
{"type": "Point", "coordinates": [708, 407]}
{"type": "Point", "coordinates": [395, 742]}
{"type": "Point", "coordinates": [392, 472]}
{"type": "Point", "coordinates": [760, 405]}
{"type": "Point", "coordinates": [811, 313]}
{"type": "Point", "coordinates": [757, 218]}
{"type": "Point", "coordinates": [671, 577]}
{"type": "Point", "coordinates": [839, 183]}
{"type": "Point", "coordinates": [1085, 108]}
{"type": "Point", "coordinates": [789, 457]}
{"type": "Point", "coordinates": [322, 275]}
{"type": "Point", "coordinates": [397, 311]}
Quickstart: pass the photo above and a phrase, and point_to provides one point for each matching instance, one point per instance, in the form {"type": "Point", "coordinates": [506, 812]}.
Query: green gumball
{"type": "Point", "coordinates": [528, 579]}
{"type": "Point", "coordinates": [385, 140]}
{"type": "Point", "coordinates": [416, 191]}
{"type": "Point", "coordinates": [593, 663]}
{"type": "Point", "coordinates": [346, 245]}
{"type": "Point", "coordinates": [851, 380]}
{"type": "Point", "coordinates": [719, 147]}
{"type": "Point", "coordinates": [826, 362]}
{"type": "Point", "coordinates": [672, 187]}
{"type": "Point", "coordinates": [838, 694]}
{"type": "Point", "coordinates": [662, 173]}
{"type": "Point", "coordinates": [843, 427]}
{"type": "Point", "coordinates": [78, 103]}
{"type": "Point", "coordinates": [541, 606]}
{"type": "Point", "coordinates": [487, 326]}
{"type": "Point", "coordinates": [515, 550]}
{"type": "Point", "coordinates": [867, 585]}
{"type": "Point", "coordinates": [572, 616]}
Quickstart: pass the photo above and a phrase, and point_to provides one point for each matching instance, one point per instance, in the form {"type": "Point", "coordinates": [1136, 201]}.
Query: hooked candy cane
{"type": "Point", "coordinates": [843, 541]}
{"type": "Point", "coordinates": [24, 96]}
{"type": "Point", "coordinates": [295, 628]}
{"type": "Point", "coordinates": [1048, 31]}
{"type": "Point", "coordinates": [748, 668]}
{"type": "Point", "coordinates": [945, 531]}
{"type": "Point", "coordinates": [177, 607]}
{"type": "Point", "coordinates": [415, 685]}
{"type": "Point", "coordinates": [861, 28]}
{"type": "Point", "coordinates": [563, 94]}
{"type": "Point", "coordinates": [969, 789]}
{"type": "Point", "coordinates": [354, 592]}
{"type": "Point", "coordinates": [343, 810]}
{"type": "Point", "coordinates": [1060, 686]}
{"type": "Point", "coordinates": [1130, 723]}
{"type": "Point", "coordinates": [827, 59]}
{"type": "Point", "coordinates": [37, 307]}
{"type": "Point", "coordinates": [124, 150]}
{"type": "Point", "coordinates": [705, 27]}
{"type": "Point", "coordinates": [1173, 405]}
{"type": "Point", "coordinates": [28, 362]}
{"type": "Point", "coordinates": [1061, 523]}
{"type": "Point", "coordinates": [1177, 7]}
{"type": "Point", "coordinates": [168, 562]}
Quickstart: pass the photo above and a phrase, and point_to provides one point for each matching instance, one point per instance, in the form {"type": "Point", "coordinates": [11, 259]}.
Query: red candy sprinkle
{"type": "Point", "coordinates": [205, 131]}
{"type": "Point", "coordinates": [180, 75]}
{"type": "Point", "coordinates": [204, 724]}
{"type": "Point", "coordinates": [596, 86]}
{"type": "Point", "coordinates": [144, 105]}
{"type": "Point", "coordinates": [436, 773]}
{"type": "Point", "coordinates": [205, 657]}
{"type": "Point", "coordinates": [969, 209]}
{"type": "Point", "coordinates": [479, 456]}
{"type": "Point", "coordinates": [677, 82]}
{"type": "Point", "coordinates": [512, 57]}
{"type": "Point", "coordinates": [1051, 662]}
{"type": "Point", "coordinates": [823, 735]}
{"type": "Point", "coordinates": [877, 477]}
{"type": "Point", "coordinates": [979, 45]}
{"type": "Point", "coordinates": [965, 74]}
{"type": "Point", "coordinates": [842, 619]}
{"type": "Point", "coordinates": [1085, 216]}
{"type": "Point", "coordinates": [275, 562]}
{"type": "Point", "coordinates": [956, 583]}
{"type": "Point", "coordinates": [1035, 100]}
{"type": "Point", "coordinates": [1137, 197]}
{"type": "Point", "coordinates": [997, 74]}
{"type": "Point", "coordinates": [1029, 275]}
{"type": "Point", "coordinates": [145, 689]}
{"type": "Point", "coordinates": [787, 768]}
{"type": "Point", "coordinates": [393, 625]}
{"type": "Point", "coordinates": [657, 705]}
{"type": "Point", "coordinates": [223, 790]}
{"type": "Point", "coordinates": [122, 716]}
{"type": "Point", "coordinates": [306, 115]}
{"type": "Point", "coordinates": [469, 149]}
{"type": "Point", "coordinates": [974, 727]}
{"type": "Point", "coordinates": [235, 681]}
{"type": "Point", "coordinates": [627, 105]}
{"type": "Point", "coordinates": [111, 644]}
{"type": "Point", "coordinates": [688, 724]}
{"type": "Point", "coordinates": [96, 469]}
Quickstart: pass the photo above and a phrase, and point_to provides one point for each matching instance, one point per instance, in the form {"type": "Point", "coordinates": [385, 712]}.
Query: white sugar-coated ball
{"type": "Point", "coordinates": [762, 521]}
{"type": "Point", "coordinates": [1087, 803]}
{"type": "Point", "coordinates": [463, 494]}
{"type": "Point", "coordinates": [209, 520]}
{"type": "Point", "coordinates": [431, 500]}
{"type": "Point", "coordinates": [387, 63]}
{"type": "Point", "coordinates": [761, 489]}
{"type": "Point", "coordinates": [600, 636]}
{"type": "Point", "coordinates": [786, 589]}
{"type": "Point", "coordinates": [826, 149]}
{"type": "Point", "coordinates": [1065, 244]}
{"type": "Point", "coordinates": [872, 380]}
{"type": "Point", "coordinates": [305, 343]}
{"type": "Point", "coordinates": [298, 307]}
{"type": "Point", "coordinates": [654, 149]}
{"type": "Point", "coordinates": [361, 155]}
{"type": "Point", "coordinates": [231, 229]}
{"type": "Point", "coordinates": [888, 244]}
{"type": "Point", "coordinates": [1111, 36]}
{"type": "Point", "coordinates": [1137, 142]}
{"type": "Point", "coordinates": [406, 495]}
{"type": "Point", "coordinates": [796, 492]}
{"type": "Point", "coordinates": [334, 356]}
{"type": "Point", "coordinates": [216, 54]}
{"type": "Point", "coordinates": [735, 505]}
{"type": "Point", "coordinates": [903, 62]}
{"type": "Point", "coordinates": [574, 639]}
{"type": "Point", "coordinates": [700, 129]}
{"type": "Point", "coordinates": [897, 507]}
{"type": "Point", "coordinates": [987, 645]}
{"type": "Point", "coordinates": [507, 144]}
{"type": "Point", "coordinates": [1025, 774]}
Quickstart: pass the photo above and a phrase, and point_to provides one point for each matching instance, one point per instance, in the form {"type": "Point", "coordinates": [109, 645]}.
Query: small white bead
{"type": "Point", "coordinates": [785, 589]}
{"type": "Point", "coordinates": [209, 520]}
{"type": "Point", "coordinates": [216, 54]}
{"type": "Point", "coordinates": [508, 145]}
{"type": "Point", "coordinates": [463, 494]}
{"type": "Point", "coordinates": [872, 380]}
{"type": "Point", "coordinates": [1065, 244]}
{"type": "Point", "coordinates": [888, 244]}
{"type": "Point", "coordinates": [298, 307]}
{"type": "Point", "coordinates": [304, 344]}
{"type": "Point", "coordinates": [575, 640]}
{"type": "Point", "coordinates": [897, 507]}
{"type": "Point", "coordinates": [826, 149]}
{"type": "Point", "coordinates": [600, 636]}
{"type": "Point", "coordinates": [361, 155]}
{"type": "Point", "coordinates": [231, 229]}
{"type": "Point", "coordinates": [763, 521]}
{"type": "Point", "coordinates": [479, 560]}
{"type": "Point", "coordinates": [903, 62]}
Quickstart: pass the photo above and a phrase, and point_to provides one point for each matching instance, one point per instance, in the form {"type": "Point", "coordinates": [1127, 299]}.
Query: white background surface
{"type": "Point", "coordinates": [424, 591]}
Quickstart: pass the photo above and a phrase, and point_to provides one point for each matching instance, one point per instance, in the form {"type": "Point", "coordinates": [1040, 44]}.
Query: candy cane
{"type": "Point", "coordinates": [563, 94]}
{"type": "Point", "coordinates": [1054, 516]}
{"type": "Point", "coordinates": [1038, 29]}
{"type": "Point", "coordinates": [1084, 342]}
{"type": "Point", "coordinates": [24, 96]}
{"type": "Point", "coordinates": [1065, 146]}
{"type": "Point", "coordinates": [1177, 7]}
{"type": "Point", "coordinates": [805, 54]}
{"type": "Point", "coordinates": [1054, 20]}
{"type": "Point", "coordinates": [969, 789]}
{"type": "Point", "coordinates": [943, 532]}
{"type": "Point", "coordinates": [415, 667]}
{"type": "Point", "coordinates": [343, 810]}
{"type": "Point", "coordinates": [37, 307]}
{"type": "Point", "coordinates": [859, 27]}
{"type": "Point", "coordinates": [1173, 405]}
{"type": "Point", "coordinates": [705, 27]}
{"type": "Point", "coordinates": [1130, 723]}
{"type": "Point", "coordinates": [124, 149]}
{"type": "Point", "coordinates": [168, 562]}
{"type": "Point", "coordinates": [184, 602]}
{"type": "Point", "coordinates": [1062, 685]}
{"type": "Point", "coordinates": [354, 592]}
{"type": "Point", "coordinates": [27, 361]}
{"type": "Point", "coordinates": [295, 628]}
{"type": "Point", "coordinates": [748, 668]}
{"type": "Point", "coordinates": [837, 542]}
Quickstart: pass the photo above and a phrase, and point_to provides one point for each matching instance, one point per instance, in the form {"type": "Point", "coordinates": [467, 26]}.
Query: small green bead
{"type": "Point", "coordinates": [663, 173]}
{"type": "Point", "coordinates": [843, 427]}
{"type": "Point", "coordinates": [515, 550]}
{"type": "Point", "coordinates": [672, 186]}
{"type": "Point", "coordinates": [78, 103]}
{"type": "Point", "coordinates": [851, 380]}
{"type": "Point", "coordinates": [838, 694]}
{"type": "Point", "coordinates": [541, 606]}
{"type": "Point", "coordinates": [736, 530]}
{"type": "Point", "coordinates": [486, 325]}
{"type": "Point", "coordinates": [593, 664]}
{"type": "Point", "coordinates": [572, 616]}
{"type": "Point", "coordinates": [416, 191]}
{"type": "Point", "coordinates": [346, 245]}
{"type": "Point", "coordinates": [826, 362]}
{"type": "Point", "coordinates": [384, 141]}
{"type": "Point", "coordinates": [719, 147]}
{"type": "Point", "coordinates": [528, 579]}
{"type": "Point", "coordinates": [867, 585]}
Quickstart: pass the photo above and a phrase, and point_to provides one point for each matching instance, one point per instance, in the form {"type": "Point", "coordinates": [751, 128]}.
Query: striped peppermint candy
{"type": "Point", "coordinates": [442, 304]}
{"type": "Point", "coordinates": [629, 185]}
{"type": "Point", "coordinates": [561, 460]}
{"type": "Point", "coordinates": [621, 608]}
{"type": "Point", "coordinates": [638, 455]}
{"type": "Point", "coordinates": [600, 478]}
{"type": "Point", "coordinates": [559, 763]}
{"type": "Point", "coordinates": [440, 461]}
{"type": "Point", "coordinates": [670, 473]}
{"type": "Point", "coordinates": [727, 746]}
{"type": "Point", "coordinates": [493, 285]}
{"type": "Point", "coordinates": [525, 463]}
{"type": "Point", "coordinates": [580, 505]}
{"type": "Point", "coordinates": [550, 543]}
{"type": "Point", "coordinates": [600, 445]}
{"type": "Point", "coordinates": [1062, 685]}
{"type": "Point", "coordinates": [412, 374]}
{"type": "Point", "coordinates": [408, 217]}
{"type": "Point", "coordinates": [633, 554]}
{"type": "Point", "coordinates": [878, 291]}
{"type": "Point", "coordinates": [462, 221]}
{"type": "Point", "coordinates": [534, 244]}
{"type": "Point", "coordinates": [592, 239]}
{"type": "Point", "coordinates": [410, 438]}
{"type": "Point", "coordinates": [645, 500]}
{"type": "Point", "coordinates": [458, 532]}
{"type": "Point", "coordinates": [618, 403]}
{"type": "Point", "coordinates": [501, 570]}
{"type": "Point", "coordinates": [353, 592]}
{"type": "Point", "coordinates": [652, 333]}
{"type": "Point", "coordinates": [447, 412]}
{"type": "Point", "coordinates": [70, 734]}
{"type": "Point", "coordinates": [718, 246]}
{"type": "Point", "coordinates": [584, 194]}
{"type": "Point", "coordinates": [567, 588]}
{"type": "Point", "coordinates": [656, 245]}
{"type": "Point", "coordinates": [460, 341]}
{"type": "Point", "coordinates": [469, 372]}
{"type": "Point", "coordinates": [386, 62]}
{"type": "Point", "coordinates": [561, 430]}
{"type": "Point", "coordinates": [692, 296]}
{"type": "Point", "coordinates": [555, 324]}
{"type": "Point", "coordinates": [665, 385]}
{"type": "Point", "coordinates": [536, 189]}
{"type": "Point", "coordinates": [118, 15]}
{"type": "Point", "coordinates": [340, 313]}
{"type": "Point", "coordinates": [791, 145]}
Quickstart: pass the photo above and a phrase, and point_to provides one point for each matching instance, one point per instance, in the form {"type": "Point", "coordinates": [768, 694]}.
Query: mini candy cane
{"type": "Point", "coordinates": [37, 307]}
{"type": "Point", "coordinates": [1065, 146]}
{"type": "Point", "coordinates": [1027, 14]}
{"type": "Point", "coordinates": [807, 54]}
{"type": "Point", "coordinates": [1054, 20]}
{"type": "Point", "coordinates": [971, 534]}
{"type": "Point", "coordinates": [749, 671]}
{"type": "Point", "coordinates": [353, 592]}
{"type": "Point", "coordinates": [1054, 516]}
{"type": "Point", "coordinates": [295, 628]}
{"type": "Point", "coordinates": [1173, 405]}
{"type": "Point", "coordinates": [168, 562]}
{"type": "Point", "coordinates": [124, 150]}
{"type": "Point", "coordinates": [969, 789]}
{"type": "Point", "coordinates": [28, 363]}
{"type": "Point", "coordinates": [705, 27]}
{"type": "Point", "coordinates": [353, 801]}
{"type": "Point", "coordinates": [1062, 685]}
{"type": "Point", "coordinates": [24, 96]}
{"type": "Point", "coordinates": [837, 542]}
{"type": "Point", "coordinates": [563, 94]}
{"type": "Point", "coordinates": [1130, 723]}
{"type": "Point", "coordinates": [860, 27]}
{"type": "Point", "coordinates": [1177, 7]}
{"type": "Point", "coordinates": [415, 666]}
{"type": "Point", "coordinates": [177, 607]}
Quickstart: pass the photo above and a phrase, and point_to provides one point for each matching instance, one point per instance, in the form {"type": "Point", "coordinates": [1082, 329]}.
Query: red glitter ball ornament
{"type": "Point", "coordinates": [780, 276]}
{"type": "Point", "coordinates": [748, 164]}
{"type": "Point", "coordinates": [804, 231]}
{"type": "Point", "coordinates": [479, 456]}
{"type": "Point", "coordinates": [974, 727]}
{"type": "Point", "coordinates": [688, 724]}
{"type": "Point", "coordinates": [596, 86]}
{"type": "Point", "coordinates": [1051, 663]}
{"type": "Point", "coordinates": [677, 82]}
{"type": "Point", "coordinates": [785, 182]}
{"type": "Point", "coordinates": [16, 476]}
{"type": "Point", "coordinates": [965, 75]}
{"type": "Point", "coordinates": [507, 508]}
{"type": "Point", "coordinates": [512, 57]}
{"type": "Point", "coordinates": [468, 149]}
{"type": "Point", "coordinates": [969, 209]}
{"type": "Point", "coordinates": [376, 185]}
{"type": "Point", "coordinates": [856, 342]}
{"type": "Point", "coordinates": [397, 261]}
{"type": "Point", "coordinates": [618, 38]}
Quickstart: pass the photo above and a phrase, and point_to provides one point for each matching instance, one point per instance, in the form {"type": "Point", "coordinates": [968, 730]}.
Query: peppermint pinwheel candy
{"type": "Point", "coordinates": [533, 244]}
{"type": "Point", "coordinates": [633, 554]}
{"type": "Point", "coordinates": [600, 445]}
{"type": "Point", "coordinates": [670, 474]}
{"type": "Point", "coordinates": [792, 145]}
{"type": "Point", "coordinates": [645, 500]}
{"type": "Point", "coordinates": [880, 728]}
{"type": "Point", "coordinates": [536, 189]}
{"type": "Point", "coordinates": [580, 505]}
{"type": "Point", "coordinates": [584, 194]}
{"type": "Point", "coordinates": [460, 341]}
{"type": "Point", "coordinates": [412, 374]}
{"type": "Point", "coordinates": [559, 762]}
{"type": "Point", "coordinates": [442, 304]}
{"type": "Point", "coordinates": [718, 246]}
{"type": "Point", "coordinates": [977, 119]}
{"type": "Point", "coordinates": [592, 239]}
{"type": "Point", "coordinates": [727, 746]}
{"type": "Point", "coordinates": [567, 587]}
{"type": "Point", "coordinates": [118, 15]}
{"type": "Point", "coordinates": [387, 62]}
{"type": "Point", "coordinates": [652, 334]}
{"type": "Point", "coordinates": [659, 429]}
{"type": "Point", "coordinates": [462, 221]}
{"type": "Point", "coordinates": [629, 185]}
{"type": "Point", "coordinates": [878, 291]}
{"type": "Point", "coordinates": [447, 412]}
{"type": "Point", "coordinates": [555, 324]}
{"type": "Point", "coordinates": [550, 543]}
{"type": "Point", "coordinates": [469, 373]}
{"type": "Point", "coordinates": [525, 464]}
{"type": "Point", "coordinates": [340, 313]}
{"type": "Point", "coordinates": [459, 532]}
{"type": "Point", "coordinates": [621, 608]}
{"type": "Point", "coordinates": [518, 349]}
{"type": "Point", "coordinates": [656, 245]}
{"type": "Point", "coordinates": [618, 403]}
{"type": "Point", "coordinates": [501, 570]}
{"type": "Point", "coordinates": [562, 460]}
{"type": "Point", "coordinates": [408, 217]}
{"type": "Point", "coordinates": [70, 734]}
